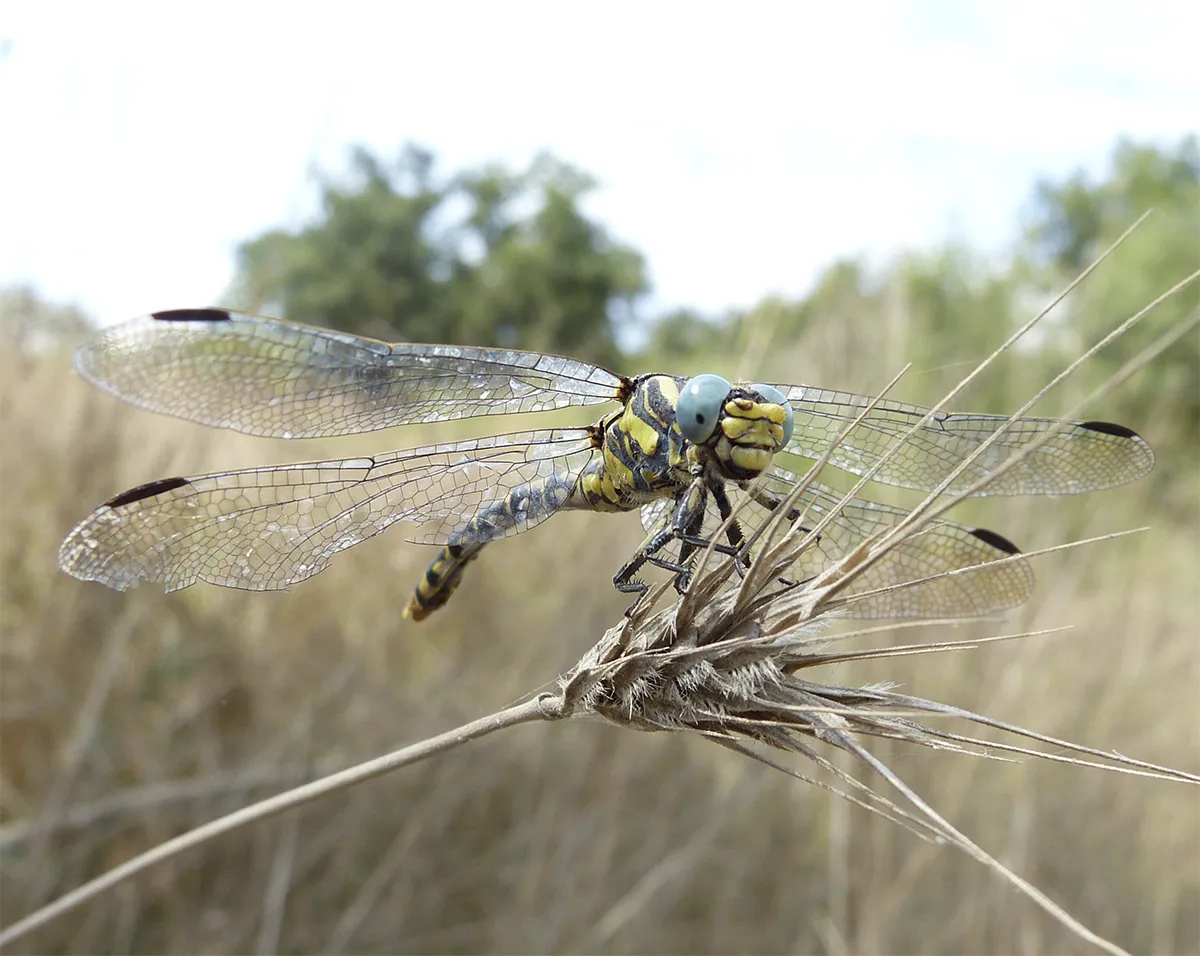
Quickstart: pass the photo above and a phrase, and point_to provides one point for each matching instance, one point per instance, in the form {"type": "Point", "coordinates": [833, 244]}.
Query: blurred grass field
{"type": "Point", "coordinates": [127, 718]}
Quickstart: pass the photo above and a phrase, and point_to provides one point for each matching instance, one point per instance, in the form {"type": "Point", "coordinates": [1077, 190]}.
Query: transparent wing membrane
{"type": "Point", "coordinates": [278, 379]}
{"type": "Point", "coordinates": [941, 547]}
{"type": "Point", "coordinates": [1083, 456]}
{"type": "Point", "coordinates": [268, 528]}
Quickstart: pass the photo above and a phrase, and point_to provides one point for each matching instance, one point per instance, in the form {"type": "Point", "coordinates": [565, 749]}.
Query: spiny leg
{"type": "Point", "coordinates": [623, 580]}
{"type": "Point", "coordinates": [685, 527]}
{"type": "Point", "coordinates": [733, 533]}
{"type": "Point", "coordinates": [768, 499]}
{"type": "Point", "coordinates": [688, 515]}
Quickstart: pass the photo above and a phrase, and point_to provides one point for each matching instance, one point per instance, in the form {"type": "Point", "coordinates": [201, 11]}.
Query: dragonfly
{"type": "Point", "coordinates": [681, 450]}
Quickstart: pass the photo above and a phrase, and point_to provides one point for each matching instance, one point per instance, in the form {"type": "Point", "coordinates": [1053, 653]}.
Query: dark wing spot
{"type": "Point", "coordinates": [192, 315]}
{"type": "Point", "coordinates": [148, 490]}
{"type": "Point", "coordinates": [1108, 428]}
{"type": "Point", "coordinates": [997, 541]}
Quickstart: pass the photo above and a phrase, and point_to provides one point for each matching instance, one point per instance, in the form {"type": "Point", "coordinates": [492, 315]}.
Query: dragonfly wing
{"type": "Point", "coordinates": [941, 547]}
{"type": "Point", "coordinates": [1083, 456]}
{"type": "Point", "coordinates": [280, 379]}
{"type": "Point", "coordinates": [268, 528]}
{"type": "Point", "coordinates": [655, 514]}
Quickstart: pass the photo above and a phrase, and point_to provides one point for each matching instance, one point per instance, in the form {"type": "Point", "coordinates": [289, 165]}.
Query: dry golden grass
{"type": "Point", "coordinates": [128, 718]}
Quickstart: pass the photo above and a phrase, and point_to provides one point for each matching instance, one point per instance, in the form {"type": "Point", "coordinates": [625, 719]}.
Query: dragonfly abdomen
{"type": "Point", "coordinates": [521, 508]}
{"type": "Point", "coordinates": [443, 575]}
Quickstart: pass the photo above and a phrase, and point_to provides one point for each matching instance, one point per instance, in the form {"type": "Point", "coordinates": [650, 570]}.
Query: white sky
{"type": "Point", "coordinates": [740, 148]}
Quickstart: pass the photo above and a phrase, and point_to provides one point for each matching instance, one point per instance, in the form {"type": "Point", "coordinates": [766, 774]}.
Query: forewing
{"type": "Point", "coordinates": [268, 528]}
{"type": "Point", "coordinates": [273, 378]}
{"type": "Point", "coordinates": [1082, 457]}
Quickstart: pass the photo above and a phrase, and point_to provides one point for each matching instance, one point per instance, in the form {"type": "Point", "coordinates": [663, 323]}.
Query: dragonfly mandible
{"type": "Point", "coordinates": [680, 450]}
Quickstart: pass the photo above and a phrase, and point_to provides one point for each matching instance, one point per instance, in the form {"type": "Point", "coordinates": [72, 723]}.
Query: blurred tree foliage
{"type": "Point", "coordinates": [491, 256]}
{"type": "Point", "coordinates": [31, 324]}
{"type": "Point", "coordinates": [1073, 221]}
{"type": "Point", "coordinates": [941, 311]}
{"type": "Point", "coordinates": [944, 310]}
{"type": "Point", "coordinates": [487, 256]}
{"type": "Point", "coordinates": [678, 332]}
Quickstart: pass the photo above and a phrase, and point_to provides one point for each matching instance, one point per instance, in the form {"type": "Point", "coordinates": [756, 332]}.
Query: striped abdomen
{"type": "Point", "coordinates": [522, 508]}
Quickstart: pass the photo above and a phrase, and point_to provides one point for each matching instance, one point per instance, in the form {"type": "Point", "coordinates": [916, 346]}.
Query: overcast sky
{"type": "Point", "coordinates": [740, 148]}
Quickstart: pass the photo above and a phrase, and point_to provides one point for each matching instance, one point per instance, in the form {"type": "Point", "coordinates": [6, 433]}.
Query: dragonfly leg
{"type": "Point", "coordinates": [769, 500]}
{"type": "Point", "coordinates": [689, 514]}
{"type": "Point", "coordinates": [733, 533]}
{"type": "Point", "coordinates": [624, 580]}
{"type": "Point", "coordinates": [689, 517]}
{"type": "Point", "coordinates": [685, 528]}
{"type": "Point", "coordinates": [691, 540]}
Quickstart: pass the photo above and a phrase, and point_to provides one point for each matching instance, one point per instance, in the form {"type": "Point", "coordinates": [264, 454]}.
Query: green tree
{"type": "Point", "coordinates": [678, 334]}
{"type": "Point", "coordinates": [1072, 222]}
{"type": "Point", "coordinates": [369, 264]}
{"type": "Point", "coordinates": [951, 310]}
{"type": "Point", "coordinates": [553, 281]}
{"type": "Point", "coordinates": [487, 257]}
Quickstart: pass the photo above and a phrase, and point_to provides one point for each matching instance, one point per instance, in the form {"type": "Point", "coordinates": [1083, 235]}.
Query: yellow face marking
{"type": "Point", "coordinates": [751, 433]}
{"type": "Point", "coordinates": [735, 428]}
{"type": "Point", "coordinates": [762, 429]}
{"type": "Point", "coordinates": [744, 408]}
{"type": "Point", "coordinates": [750, 458]}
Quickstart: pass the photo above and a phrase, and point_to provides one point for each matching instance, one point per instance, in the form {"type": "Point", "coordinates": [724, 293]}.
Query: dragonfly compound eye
{"type": "Point", "coordinates": [700, 405]}
{"type": "Point", "coordinates": [776, 397]}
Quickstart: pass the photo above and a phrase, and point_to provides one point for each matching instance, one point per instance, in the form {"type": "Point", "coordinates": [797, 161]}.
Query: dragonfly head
{"type": "Point", "coordinates": [741, 426]}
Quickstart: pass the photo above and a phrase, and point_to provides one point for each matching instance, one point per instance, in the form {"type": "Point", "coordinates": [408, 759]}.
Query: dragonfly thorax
{"type": "Point", "coordinates": [645, 455]}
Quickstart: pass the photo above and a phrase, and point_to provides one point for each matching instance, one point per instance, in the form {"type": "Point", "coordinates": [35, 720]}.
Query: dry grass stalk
{"type": "Point", "coordinates": [727, 661]}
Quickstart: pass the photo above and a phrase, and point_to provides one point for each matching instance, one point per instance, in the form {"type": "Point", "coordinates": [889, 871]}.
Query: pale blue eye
{"type": "Point", "coordinates": [700, 405]}
{"type": "Point", "coordinates": [776, 397]}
